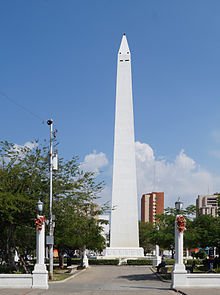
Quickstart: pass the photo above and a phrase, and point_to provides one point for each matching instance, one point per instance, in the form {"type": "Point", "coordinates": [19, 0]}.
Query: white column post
{"type": "Point", "coordinates": [157, 259]}
{"type": "Point", "coordinates": [40, 240]}
{"type": "Point", "coordinates": [179, 270]}
{"type": "Point", "coordinates": [40, 273]}
{"type": "Point", "coordinates": [85, 259]}
{"type": "Point", "coordinates": [179, 265]}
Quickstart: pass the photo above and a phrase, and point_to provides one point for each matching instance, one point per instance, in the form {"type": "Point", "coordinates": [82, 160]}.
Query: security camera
{"type": "Point", "coordinates": [49, 122]}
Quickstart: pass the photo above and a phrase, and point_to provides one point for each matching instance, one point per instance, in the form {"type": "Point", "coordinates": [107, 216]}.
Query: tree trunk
{"type": "Point", "coordinates": [22, 261]}
{"type": "Point", "coordinates": [10, 249]}
{"type": "Point", "coordinates": [61, 259]}
{"type": "Point", "coordinates": [172, 253]}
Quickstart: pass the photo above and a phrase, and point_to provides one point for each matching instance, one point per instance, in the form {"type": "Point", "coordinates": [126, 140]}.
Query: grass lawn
{"type": "Point", "coordinates": [61, 274]}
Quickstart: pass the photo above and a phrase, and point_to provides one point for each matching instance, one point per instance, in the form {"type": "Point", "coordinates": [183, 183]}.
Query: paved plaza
{"type": "Point", "coordinates": [110, 280]}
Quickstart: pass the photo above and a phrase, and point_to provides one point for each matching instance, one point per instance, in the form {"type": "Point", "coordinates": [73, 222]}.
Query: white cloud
{"type": "Point", "coordinates": [20, 150]}
{"type": "Point", "coordinates": [185, 163]}
{"type": "Point", "coordinates": [144, 152]}
{"type": "Point", "coordinates": [29, 144]}
{"type": "Point", "coordinates": [182, 177]}
{"type": "Point", "coordinates": [94, 162]}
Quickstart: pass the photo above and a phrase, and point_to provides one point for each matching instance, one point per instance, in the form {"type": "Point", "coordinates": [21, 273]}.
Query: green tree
{"type": "Point", "coordinates": [201, 232]}
{"type": "Point", "coordinates": [163, 231]}
{"type": "Point", "coordinates": [205, 231]}
{"type": "Point", "coordinates": [19, 185]}
{"type": "Point", "coordinates": [76, 209]}
{"type": "Point", "coordinates": [23, 179]}
{"type": "Point", "coordinates": [145, 236]}
{"type": "Point", "coordinates": [190, 212]}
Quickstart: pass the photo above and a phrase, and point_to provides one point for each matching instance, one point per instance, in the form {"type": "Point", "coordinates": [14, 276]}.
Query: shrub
{"type": "Point", "coordinates": [201, 268]}
{"type": "Point", "coordinates": [201, 254]}
{"type": "Point", "coordinates": [6, 269]}
{"type": "Point", "coordinates": [194, 261]}
{"type": "Point", "coordinates": [217, 270]}
{"type": "Point", "coordinates": [75, 261]}
{"type": "Point", "coordinates": [139, 262]}
{"type": "Point", "coordinates": [103, 261]}
{"type": "Point", "coordinates": [10, 269]}
{"type": "Point", "coordinates": [169, 261]}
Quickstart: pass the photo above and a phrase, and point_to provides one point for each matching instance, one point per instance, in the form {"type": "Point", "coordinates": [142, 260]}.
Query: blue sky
{"type": "Point", "coordinates": [58, 60]}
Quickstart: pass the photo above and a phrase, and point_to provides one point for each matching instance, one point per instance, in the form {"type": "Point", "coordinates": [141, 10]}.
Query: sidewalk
{"type": "Point", "coordinates": [192, 291]}
{"type": "Point", "coordinates": [196, 291]}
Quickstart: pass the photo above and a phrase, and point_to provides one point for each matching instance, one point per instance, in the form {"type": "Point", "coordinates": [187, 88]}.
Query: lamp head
{"type": "Point", "coordinates": [49, 122]}
{"type": "Point", "coordinates": [178, 205]}
{"type": "Point", "coordinates": [40, 206]}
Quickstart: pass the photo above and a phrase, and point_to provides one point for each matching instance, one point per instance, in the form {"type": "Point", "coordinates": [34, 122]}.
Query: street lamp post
{"type": "Point", "coordinates": [180, 226]}
{"type": "Point", "coordinates": [40, 274]}
{"type": "Point", "coordinates": [179, 270]}
{"type": "Point", "coordinates": [40, 238]}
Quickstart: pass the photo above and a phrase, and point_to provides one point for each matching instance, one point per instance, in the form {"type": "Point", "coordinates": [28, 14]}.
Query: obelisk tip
{"type": "Point", "coordinates": [124, 49]}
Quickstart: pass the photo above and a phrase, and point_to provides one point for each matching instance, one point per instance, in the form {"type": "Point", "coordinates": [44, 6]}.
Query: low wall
{"type": "Point", "coordinates": [38, 279]}
{"type": "Point", "coordinates": [203, 280]}
{"type": "Point", "coordinates": [16, 280]}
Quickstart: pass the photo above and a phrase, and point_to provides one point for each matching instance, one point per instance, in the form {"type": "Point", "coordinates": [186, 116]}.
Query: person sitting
{"type": "Point", "coordinates": [160, 265]}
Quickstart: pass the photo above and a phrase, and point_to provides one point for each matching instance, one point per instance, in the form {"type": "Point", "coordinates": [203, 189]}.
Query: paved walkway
{"type": "Point", "coordinates": [105, 280]}
{"type": "Point", "coordinates": [111, 280]}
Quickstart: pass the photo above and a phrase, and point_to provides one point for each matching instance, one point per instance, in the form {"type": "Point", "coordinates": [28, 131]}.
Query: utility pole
{"type": "Point", "coordinates": [50, 238]}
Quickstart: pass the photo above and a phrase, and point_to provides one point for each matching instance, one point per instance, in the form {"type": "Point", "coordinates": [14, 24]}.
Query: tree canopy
{"type": "Point", "coordinates": [201, 231]}
{"type": "Point", "coordinates": [24, 178]}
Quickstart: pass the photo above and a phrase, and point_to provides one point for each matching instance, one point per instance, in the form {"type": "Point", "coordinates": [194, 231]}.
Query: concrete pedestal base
{"type": "Point", "coordinates": [124, 252]}
{"type": "Point", "coordinates": [179, 268]}
{"type": "Point", "coordinates": [40, 277]}
{"type": "Point", "coordinates": [178, 280]}
{"type": "Point", "coordinates": [179, 276]}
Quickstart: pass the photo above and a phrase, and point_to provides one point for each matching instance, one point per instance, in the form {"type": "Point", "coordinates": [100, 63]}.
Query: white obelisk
{"type": "Point", "coordinates": [124, 237]}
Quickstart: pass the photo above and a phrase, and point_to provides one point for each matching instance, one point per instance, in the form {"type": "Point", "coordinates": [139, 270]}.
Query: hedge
{"type": "Point", "coordinates": [103, 261]}
{"type": "Point", "coordinates": [75, 261]}
{"type": "Point", "coordinates": [139, 262]}
{"type": "Point", "coordinates": [170, 261]}
{"type": "Point", "coordinates": [194, 261]}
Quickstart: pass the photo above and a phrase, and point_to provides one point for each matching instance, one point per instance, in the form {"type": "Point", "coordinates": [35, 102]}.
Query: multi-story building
{"type": "Point", "coordinates": [151, 205]}
{"type": "Point", "coordinates": [207, 205]}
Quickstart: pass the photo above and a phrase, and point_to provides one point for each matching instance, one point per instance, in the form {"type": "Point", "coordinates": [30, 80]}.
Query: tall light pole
{"type": "Point", "coordinates": [50, 241]}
